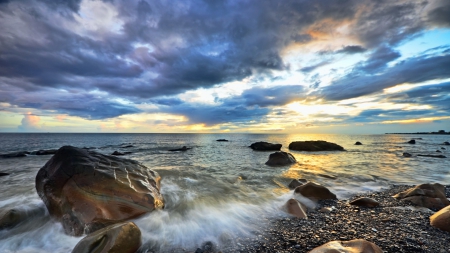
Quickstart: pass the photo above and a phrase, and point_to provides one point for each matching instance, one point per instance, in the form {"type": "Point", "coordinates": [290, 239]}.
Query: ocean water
{"type": "Point", "coordinates": [215, 192]}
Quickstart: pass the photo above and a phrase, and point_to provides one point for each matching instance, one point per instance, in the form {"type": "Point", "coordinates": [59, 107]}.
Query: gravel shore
{"type": "Point", "coordinates": [394, 226]}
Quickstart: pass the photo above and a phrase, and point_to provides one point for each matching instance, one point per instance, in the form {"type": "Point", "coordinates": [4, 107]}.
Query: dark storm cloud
{"type": "Point", "coordinates": [353, 49]}
{"type": "Point", "coordinates": [413, 70]}
{"type": "Point", "coordinates": [379, 59]}
{"type": "Point", "coordinates": [440, 15]}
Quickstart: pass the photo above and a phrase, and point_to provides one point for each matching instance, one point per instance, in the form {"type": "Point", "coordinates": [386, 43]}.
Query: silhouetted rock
{"type": "Point", "coordinates": [86, 190]}
{"type": "Point", "coordinates": [315, 191]}
{"type": "Point", "coordinates": [184, 148]}
{"type": "Point", "coordinates": [280, 159]}
{"type": "Point", "coordinates": [118, 238]}
{"type": "Point", "coordinates": [442, 148]}
{"type": "Point", "coordinates": [315, 146]}
{"type": "Point", "coordinates": [265, 146]}
{"type": "Point", "coordinates": [3, 174]}
{"type": "Point", "coordinates": [407, 154]}
{"type": "Point", "coordinates": [353, 246]}
{"type": "Point", "coordinates": [15, 154]}
{"type": "Point", "coordinates": [435, 156]}
{"type": "Point", "coordinates": [446, 143]}
{"type": "Point", "coordinates": [221, 140]}
{"type": "Point", "coordinates": [412, 142]}
{"type": "Point", "coordinates": [358, 143]}
{"type": "Point", "coordinates": [438, 151]}
{"type": "Point", "coordinates": [365, 202]}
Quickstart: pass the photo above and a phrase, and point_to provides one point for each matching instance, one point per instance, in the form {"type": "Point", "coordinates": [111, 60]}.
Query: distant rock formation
{"type": "Point", "coordinates": [265, 146]}
{"type": "Point", "coordinates": [280, 159]}
{"type": "Point", "coordinates": [86, 190]}
{"type": "Point", "coordinates": [358, 143]}
{"type": "Point", "coordinates": [435, 156]}
{"type": "Point", "coordinates": [412, 141]}
{"type": "Point", "coordinates": [222, 140]}
{"type": "Point", "coordinates": [315, 146]}
{"type": "Point", "coordinates": [184, 148]}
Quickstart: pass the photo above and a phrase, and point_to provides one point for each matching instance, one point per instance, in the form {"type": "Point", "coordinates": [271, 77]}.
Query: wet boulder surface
{"type": "Point", "coordinates": [87, 191]}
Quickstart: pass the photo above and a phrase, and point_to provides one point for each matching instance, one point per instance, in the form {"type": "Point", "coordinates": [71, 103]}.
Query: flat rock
{"type": "Point", "coordinates": [265, 146]}
{"type": "Point", "coordinates": [86, 190]}
{"type": "Point", "coordinates": [314, 146]}
{"type": "Point", "coordinates": [353, 246]}
{"type": "Point", "coordinates": [315, 191]}
{"type": "Point", "coordinates": [441, 219]}
{"type": "Point", "coordinates": [117, 238]}
{"type": "Point", "coordinates": [3, 174]}
{"type": "Point", "coordinates": [435, 156]}
{"type": "Point", "coordinates": [280, 159]}
{"type": "Point", "coordinates": [222, 140]}
{"type": "Point", "coordinates": [365, 202]}
{"type": "Point", "coordinates": [15, 154]}
{"type": "Point", "coordinates": [184, 148]}
{"type": "Point", "coordinates": [295, 208]}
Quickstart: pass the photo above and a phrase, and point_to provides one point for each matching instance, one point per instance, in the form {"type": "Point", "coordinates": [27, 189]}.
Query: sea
{"type": "Point", "coordinates": [215, 192]}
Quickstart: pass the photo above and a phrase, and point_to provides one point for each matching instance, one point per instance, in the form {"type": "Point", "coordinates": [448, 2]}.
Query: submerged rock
{"type": "Point", "coordinates": [315, 191]}
{"type": "Point", "coordinates": [3, 174]}
{"type": "Point", "coordinates": [280, 159]}
{"type": "Point", "coordinates": [407, 154]}
{"type": "Point", "coordinates": [295, 208]}
{"type": "Point", "coordinates": [412, 141]}
{"type": "Point", "coordinates": [15, 154]}
{"type": "Point", "coordinates": [86, 190]}
{"type": "Point", "coordinates": [117, 238]}
{"type": "Point", "coordinates": [314, 146]}
{"type": "Point", "coordinates": [184, 148]}
{"type": "Point", "coordinates": [221, 140]}
{"type": "Point", "coordinates": [435, 156]}
{"type": "Point", "coordinates": [427, 195]}
{"type": "Point", "coordinates": [12, 217]}
{"type": "Point", "coordinates": [265, 146]}
{"type": "Point", "coordinates": [296, 182]}
{"type": "Point", "coordinates": [358, 143]}
{"type": "Point", "coordinates": [441, 219]}
{"type": "Point", "coordinates": [365, 202]}
{"type": "Point", "coordinates": [353, 246]}
{"type": "Point", "coordinates": [117, 153]}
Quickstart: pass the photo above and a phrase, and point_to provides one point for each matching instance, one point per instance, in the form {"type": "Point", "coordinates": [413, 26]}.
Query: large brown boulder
{"type": "Point", "coordinates": [280, 159]}
{"type": "Point", "coordinates": [427, 195]}
{"type": "Point", "coordinates": [365, 202]}
{"type": "Point", "coordinates": [314, 146]}
{"type": "Point", "coordinates": [265, 146]}
{"type": "Point", "coordinates": [315, 191]}
{"type": "Point", "coordinates": [86, 190]}
{"type": "Point", "coordinates": [353, 246]}
{"type": "Point", "coordinates": [441, 219]}
{"type": "Point", "coordinates": [117, 238]}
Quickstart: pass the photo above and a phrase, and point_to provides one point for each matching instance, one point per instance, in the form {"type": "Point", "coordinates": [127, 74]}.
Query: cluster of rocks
{"type": "Point", "coordinates": [413, 141]}
{"type": "Point", "coordinates": [95, 194]}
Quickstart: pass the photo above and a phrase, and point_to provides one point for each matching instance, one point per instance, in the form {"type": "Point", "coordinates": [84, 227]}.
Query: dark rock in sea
{"type": "Point", "coordinates": [118, 238]}
{"type": "Point", "coordinates": [442, 148]}
{"type": "Point", "coordinates": [3, 174]}
{"type": "Point", "coordinates": [295, 208]}
{"type": "Point", "coordinates": [15, 154]}
{"type": "Point", "coordinates": [44, 152]}
{"type": "Point", "coordinates": [315, 146]}
{"type": "Point", "coordinates": [221, 140]}
{"type": "Point", "coordinates": [86, 190]}
{"type": "Point", "coordinates": [407, 154]}
{"type": "Point", "coordinates": [117, 153]}
{"type": "Point", "coordinates": [441, 219]}
{"type": "Point", "coordinates": [356, 245]}
{"type": "Point", "coordinates": [265, 146]}
{"type": "Point", "coordinates": [280, 159]}
{"type": "Point", "coordinates": [315, 191]}
{"type": "Point", "coordinates": [184, 148]}
{"type": "Point", "coordinates": [365, 202]}
{"type": "Point", "coordinates": [412, 142]}
{"type": "Point", "coordinates": [446, 143]}
{"type": "Point", "coordinates": [417, 138]}
{"type": "Point", "coordinates": [358, 143]}
{"type": "Point", "coordinates": [435, 156]}
{"type": "Point", "coordinates": [127, 146]}
{"type": "Point", "coordinates": [12, 217]}
{"type": "Point", "coordinates": [438, 151]}
{"type": "Point", "coordinates": [296, 182]}
{"type": "Point", "coordinates": [427, 195]}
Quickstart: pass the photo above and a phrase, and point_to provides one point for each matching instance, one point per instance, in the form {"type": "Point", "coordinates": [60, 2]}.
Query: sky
{"type": "Point", "coordinates": [242, 66]}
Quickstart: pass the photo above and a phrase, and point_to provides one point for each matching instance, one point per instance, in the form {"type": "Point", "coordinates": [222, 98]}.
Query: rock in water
{"type": "Point", "coordinates": [441, 219]}
{"type": "Point", "coordinates": [86, 190]}
{"type": "Point", "coordinates": [314, 146]}
{"type": "Point", "coordinates": [265, 146]}
{"type": "Point", "coordinates": [296, 182]}
{"type": "Point", "coordinates": [295, 208]}
{"type": "Point", "coordinates": [412, 142]}
{"type": "Point", "coordinates": [315, 191]}
{"type": "Point", "coordinates": [117, 238]}
{"type": "Point", "coordinates": [353, 246]}
{"type": "Point", "coordinates": [280, 159]}
{"type": "Point", "coordinates": [358, 143]}
{"type": "Point", "coordinates": [407, 154]}
{"type": "Point", "coordinates": [365, 202]}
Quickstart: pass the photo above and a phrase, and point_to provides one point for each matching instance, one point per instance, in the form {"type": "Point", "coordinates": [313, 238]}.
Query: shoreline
{"type": "Point", "coordinates": [393, 226]}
